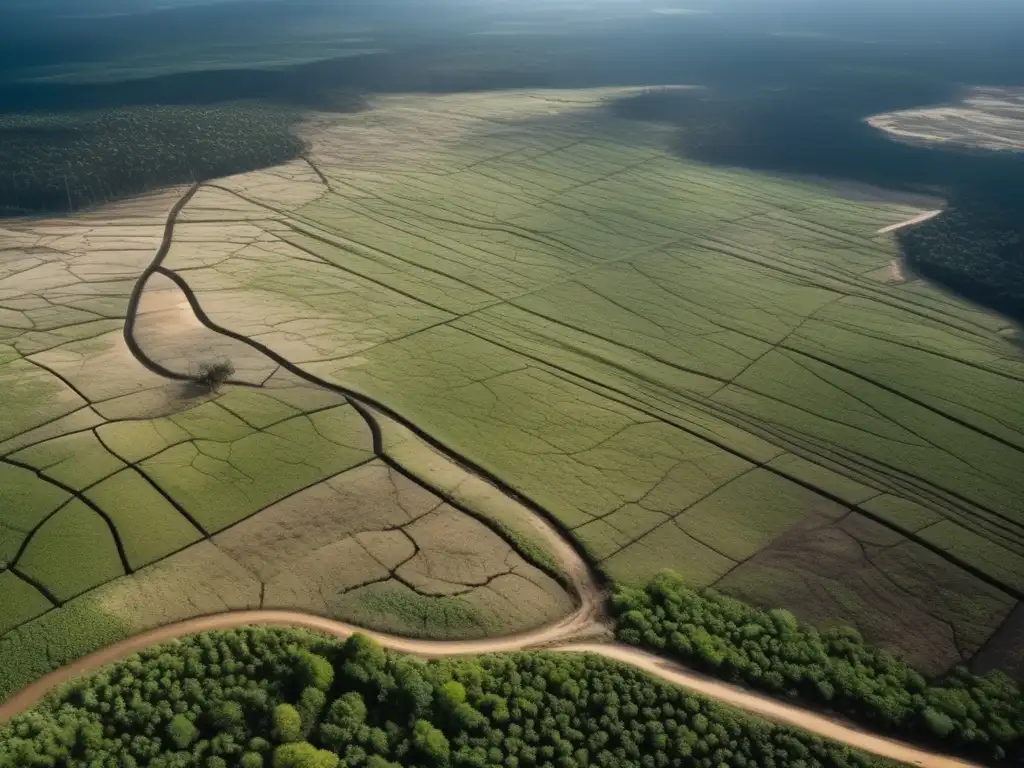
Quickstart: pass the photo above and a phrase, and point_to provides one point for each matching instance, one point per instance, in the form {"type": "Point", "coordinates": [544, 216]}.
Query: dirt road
{"type": "Point", "coordinates": [670, 672]}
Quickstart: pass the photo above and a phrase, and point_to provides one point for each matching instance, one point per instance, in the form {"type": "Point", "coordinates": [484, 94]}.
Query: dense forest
{"type": "Point", "coordinates": [977, 248]}
{"type": "Point", "coordinates": [815, 127]}
{"type": "Point", "coordinates": [291, 699]}
{"type": "Point", "coordinates": [56, 161]}
{"type": "Point", "coordinates": [770, 650]}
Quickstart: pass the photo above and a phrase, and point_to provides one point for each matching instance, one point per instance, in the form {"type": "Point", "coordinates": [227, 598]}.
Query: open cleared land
{"type": "Point", "coordinates": [679, 363]}
{"type": "Point", "coordinates": [685, 367]}
{"type": "Point", "coordinates": [133, 496]}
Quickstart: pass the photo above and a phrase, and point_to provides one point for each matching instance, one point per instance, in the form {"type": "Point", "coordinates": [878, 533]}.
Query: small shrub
{"type": "Point", "coordinates": [212, 375]}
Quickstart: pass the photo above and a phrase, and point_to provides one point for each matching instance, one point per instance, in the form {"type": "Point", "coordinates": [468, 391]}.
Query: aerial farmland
{"type": "Point", "coordinates": [473, 371]}
{"type": "Point", "coordinates": [708, 371]}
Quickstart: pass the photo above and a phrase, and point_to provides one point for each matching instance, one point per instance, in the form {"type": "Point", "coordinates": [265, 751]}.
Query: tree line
{"type": "Point", "coordinates": [258, 697]}
{"type": "Point", "coordinates": [68, 160]}
{"type": "Point", "coordinates": [771, 651]}
{"type": "Point", "coordinates": [976, 247]}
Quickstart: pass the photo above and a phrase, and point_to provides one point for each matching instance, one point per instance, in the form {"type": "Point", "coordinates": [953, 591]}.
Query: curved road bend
{"type": "Point", "coordinates": [754, 703]}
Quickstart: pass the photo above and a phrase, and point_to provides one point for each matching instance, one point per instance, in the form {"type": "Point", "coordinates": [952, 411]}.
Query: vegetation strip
{"type": "Point", "coordinates": [770, 651]}
{"type": "Point", "coordinates": [773, 709]}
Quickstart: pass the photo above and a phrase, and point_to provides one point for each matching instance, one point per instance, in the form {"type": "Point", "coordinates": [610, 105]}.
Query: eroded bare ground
{"type": "Point", "coordinates": [987, 118]}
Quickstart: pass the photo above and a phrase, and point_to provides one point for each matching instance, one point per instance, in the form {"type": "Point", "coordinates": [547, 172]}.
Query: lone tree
{"type": "Point", "coordinates": [212, 375]}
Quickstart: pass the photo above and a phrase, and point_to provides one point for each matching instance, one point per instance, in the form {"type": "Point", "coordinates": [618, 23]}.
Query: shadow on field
{"type": "Point", "coordinates": [806, 128]}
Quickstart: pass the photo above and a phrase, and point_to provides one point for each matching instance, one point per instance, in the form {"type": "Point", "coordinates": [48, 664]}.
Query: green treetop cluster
{"type": "Point", "coordinates": [288, 699]}
{"type": "Point", "coordinates": [771, 651]}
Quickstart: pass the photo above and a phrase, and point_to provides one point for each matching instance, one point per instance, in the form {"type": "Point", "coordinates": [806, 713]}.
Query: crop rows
{"type": "Point", "coordinates": [683, 365]}
{"type": "Point", "coordinates": [131, 496]}
{"type": "Point", "coordinates": [688, 368]}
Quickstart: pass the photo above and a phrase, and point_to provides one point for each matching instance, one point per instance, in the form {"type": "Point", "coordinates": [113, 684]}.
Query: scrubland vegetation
{"type": "Point", "coordinates": [771, 651]}
{"type": "Point", "coordinates": [263, 697]}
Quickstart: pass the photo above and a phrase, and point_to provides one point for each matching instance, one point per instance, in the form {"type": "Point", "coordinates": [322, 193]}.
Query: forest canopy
{"type": "Point", "coordinates": [771, 651]}
{"type": "Point", "coordinates": [290, 699]}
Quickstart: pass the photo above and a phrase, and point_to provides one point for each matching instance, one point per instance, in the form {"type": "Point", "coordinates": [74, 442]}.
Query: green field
{"type": "Point", "coordinates": [129, 500]}
{"type": "Point", "coordinates": [685, 367]}
{"type": "Point", "coordinates": [680, 363]}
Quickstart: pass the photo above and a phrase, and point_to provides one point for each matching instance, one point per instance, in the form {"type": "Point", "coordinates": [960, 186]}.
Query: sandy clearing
{"type": "Point", "coordinates": [921, 217]}
{"type": "Point", "coordinates": [670, 672]}
{"type": "Point", "coordinates": [986, 118]}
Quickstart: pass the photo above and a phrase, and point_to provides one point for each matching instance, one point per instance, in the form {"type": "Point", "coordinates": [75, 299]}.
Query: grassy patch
{"type": "Point", "coordinates": [231, 475]}
{"type": "Point", "coordinates": [667, 546]}
{"type": "Point", "coordinates": [53, 639]}
{"type": "Point", "coordinates": [997, 561]}
{"type": "Point", "coordinates": [149, 526]}
{"type": "Point", "coordinates": [21, 603]}
{"type": "Point", "coordinates": [34, 397]}
{"type": "Point", "coordinates": [393, 607]}
{"type": "Point", "coordinates": [77, 460]}
{"type": "Point", "coordinates": [744, 516]}
{"type": "Point", "coordinates": [25, 500]}
{"type": "Point", "coordinates": [73, 551]}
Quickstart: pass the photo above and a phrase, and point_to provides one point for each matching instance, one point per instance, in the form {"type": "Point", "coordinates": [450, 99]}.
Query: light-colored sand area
{"type": "Point", "coordinates": [987, 118]}
{"type": "Point", "coordinates": [920, 218]}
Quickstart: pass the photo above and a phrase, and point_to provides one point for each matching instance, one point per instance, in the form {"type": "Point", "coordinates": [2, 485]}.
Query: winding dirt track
{"type": "Point", "coordinates": [557, 637]}
{"type": "Point", "coordinates": [668, 671]}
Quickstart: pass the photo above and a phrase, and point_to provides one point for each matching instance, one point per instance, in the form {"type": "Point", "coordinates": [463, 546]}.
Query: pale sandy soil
{"type": "Point", "coordinates": [921, 217]}
{"type": "Point", "coordinates": [897, 268]}
{"type": "Point", "coordinates": [675, 674]}
{"type": "Point", "coordinates": [898, 271]}
{"type": "Point", "coordinates": [988, 118]}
